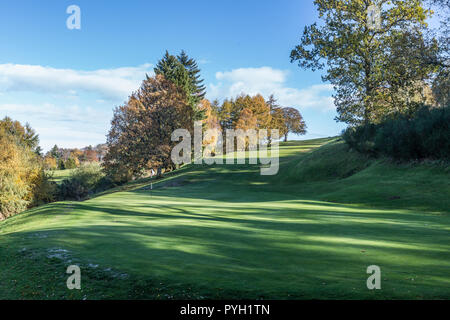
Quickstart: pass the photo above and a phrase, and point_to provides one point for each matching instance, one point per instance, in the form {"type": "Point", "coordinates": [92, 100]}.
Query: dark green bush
{"type": "Point", "coordinates": [73, 189]}
{"type": "Point", "coordinates": [426, 135]}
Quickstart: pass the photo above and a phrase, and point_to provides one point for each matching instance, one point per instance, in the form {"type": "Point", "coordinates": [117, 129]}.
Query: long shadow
{"type": "Point", "coordinates": [270, 258]}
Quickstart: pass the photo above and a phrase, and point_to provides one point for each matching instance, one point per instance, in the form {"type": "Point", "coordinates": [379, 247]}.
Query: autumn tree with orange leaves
{"type": "Point", "coordinates": [140, 135]}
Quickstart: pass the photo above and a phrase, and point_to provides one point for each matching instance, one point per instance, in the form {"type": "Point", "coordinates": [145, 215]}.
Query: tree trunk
{"type": "Point", "coordinates": [285, 137]}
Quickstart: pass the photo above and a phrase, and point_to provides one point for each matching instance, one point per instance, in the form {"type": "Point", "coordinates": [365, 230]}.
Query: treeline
{"type": "Point", "coordinates": [61, 158]}
{"type": "Point", "coordinates": [23, 180]}
{"type": "Point", "coordinates": [139, 139]}
{"type": "Point", "coordinates": [25, 173]}
{"type": "Point", "coordinates": [141, 129]}
{"type": "Point", "coordinates": [389, 75]}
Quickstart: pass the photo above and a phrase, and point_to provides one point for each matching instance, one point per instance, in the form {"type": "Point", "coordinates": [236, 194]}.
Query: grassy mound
{"type": "Point", "coordinates": [332, 161]}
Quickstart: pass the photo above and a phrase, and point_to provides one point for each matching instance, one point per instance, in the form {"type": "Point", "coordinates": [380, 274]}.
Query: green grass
{"type": "Point", "coordinates": [227, 232]}
{"type": "Point", "coordinates": [59, 175]}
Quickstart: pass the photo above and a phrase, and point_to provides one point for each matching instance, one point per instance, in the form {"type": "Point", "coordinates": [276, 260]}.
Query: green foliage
{"type": "Point", "coordinates": [61, 164]}
{"type": "Point", "coordinates": [425, 135]}
{"type": "Point", "coordinates": [25, 136]}
{"type": "Point", "coordinates": [184, 72]}
{"type": "Point", "coordinates": [373, 69]}
{"type": "Point", "coordinates": [85, 180]}
{"type": "Point", "coordinates": [44, 189]}
{"type": "Point", "coordinates": [441, 83]}
{"type": "Point", "coordinates": [71, 163]}
{"type": "Point", "coordinates": [194, 75]}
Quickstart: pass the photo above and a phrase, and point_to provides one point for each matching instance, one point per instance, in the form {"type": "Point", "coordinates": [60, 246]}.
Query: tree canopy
{"type": "Point", "coordinates": [184, 73]}
{"type": "Point", "coordinates": [140, 135]}
{"type": "Point", "coordinates": [362, 60]}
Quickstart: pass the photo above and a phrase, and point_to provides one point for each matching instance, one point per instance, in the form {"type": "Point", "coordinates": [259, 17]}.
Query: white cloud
{"type": "Point", "coordinates": [67, 126]}
{"type": "Point", "coordinates": [51, 112]}
{"type": "Point", "coordinates": [111, 84]}
{"type": "Point", "coordinates": [267, 81]}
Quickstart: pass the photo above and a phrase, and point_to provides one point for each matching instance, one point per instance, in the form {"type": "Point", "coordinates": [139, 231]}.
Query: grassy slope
{"type": "Point", "coordinates": [227, 232]}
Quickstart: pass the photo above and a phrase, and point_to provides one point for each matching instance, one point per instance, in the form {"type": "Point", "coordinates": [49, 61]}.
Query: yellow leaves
{"type": "Point", "coordinates": [20, 175]}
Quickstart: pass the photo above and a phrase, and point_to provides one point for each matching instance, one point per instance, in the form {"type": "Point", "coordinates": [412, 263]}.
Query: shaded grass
{"type": "Point", "coordinates": [59, 175]}
{"type": "Point", "coordinates": [227, 232]}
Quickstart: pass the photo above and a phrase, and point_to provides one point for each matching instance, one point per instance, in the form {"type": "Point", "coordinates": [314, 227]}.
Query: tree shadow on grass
{"type": "Point", "coordinates": [321, 251]}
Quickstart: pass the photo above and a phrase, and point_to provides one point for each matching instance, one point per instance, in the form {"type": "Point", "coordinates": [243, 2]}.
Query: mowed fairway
{"type": "Point", "coordinates": [228, 232]}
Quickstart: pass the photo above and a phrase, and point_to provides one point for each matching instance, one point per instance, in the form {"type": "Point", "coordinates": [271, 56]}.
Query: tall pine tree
{"type": "Point", "coordinates": [184, 73]}
{"type": "Point", "coordinates": [194, 74]}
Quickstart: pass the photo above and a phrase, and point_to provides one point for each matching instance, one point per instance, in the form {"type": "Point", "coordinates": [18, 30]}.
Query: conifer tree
{"type": "Point", "coordinates": [194, 74]}
{"type": "Point", "coordinates": [187, 79]}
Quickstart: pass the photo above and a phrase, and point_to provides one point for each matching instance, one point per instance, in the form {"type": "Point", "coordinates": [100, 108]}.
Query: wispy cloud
{"type": "Point", "coordinates": [111, 84]}
{"type": "Point", "coordinates": [67, 126]}
{"type": "Point", "coordinates": [267, 81]}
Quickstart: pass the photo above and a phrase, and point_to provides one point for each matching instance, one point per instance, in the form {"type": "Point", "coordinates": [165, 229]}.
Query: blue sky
{"type": "Point", "coordinates": [65, 83]}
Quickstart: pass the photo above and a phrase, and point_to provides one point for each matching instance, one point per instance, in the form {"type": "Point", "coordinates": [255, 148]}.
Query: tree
{"type": "Point", "coordinates": [441, 82]}
{"type": "Point", "coordinates": [228, 115]}
{"type": "Point", "coordinates": [278, 121]}
{"type": "Point", "coordinates": [232, 109]}
{"type": "Point", "coordinates": [185, 77]}
{"type": "Point", "coordinates": [140, 135]}
{"type": "Point", "coordinates": [90, 154]}
{"type": "Point", "coordinates": [405, 74]}
{"type": "Point", "coordinates": [55, 152]}
{"type": "Point", "coordinates": [50, 163]}
{"type": "Point", "coordinates": [24, 135]}
{"type": "Point", "coordinates": [356, 53]}
{"type": "Point", "coordinates": [294, 122]}
{"type": "Point", "coordinates": [211, 139]}
{"type": "Point", "coordinates": [71, 163]}
{"type": "Point", "coordinates": [23, 182]}
{"type": "Point", "coordinates": [247, 120]}
{"type": "Point", "coordinates": [194, 74]}
{"type": "Point", "coordinates": [61, 164]}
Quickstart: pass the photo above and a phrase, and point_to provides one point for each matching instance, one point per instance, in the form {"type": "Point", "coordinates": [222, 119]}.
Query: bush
{"type": "Point", "coordinates": [84, 181]}
{"type": "Point", "coordinates": [71, 163]}
{"type": "Point", "coordinates": [426, 135]}
{"type": "Point", "coordinates": [73, 189]}
{"type": "Point", "coordinates": [44, 190]}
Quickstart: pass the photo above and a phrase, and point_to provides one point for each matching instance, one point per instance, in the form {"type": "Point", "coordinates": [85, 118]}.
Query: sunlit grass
{"type": "Point", "coordinates": [228, 232]}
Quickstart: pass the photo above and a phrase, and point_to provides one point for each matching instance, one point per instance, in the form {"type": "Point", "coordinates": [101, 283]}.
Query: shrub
{"type": "Point", "coordinates": [425, 135]}
{"type": "Point", "coordinates": [84, 181]}
{"type": "Point", "coordinates": [73, 189]}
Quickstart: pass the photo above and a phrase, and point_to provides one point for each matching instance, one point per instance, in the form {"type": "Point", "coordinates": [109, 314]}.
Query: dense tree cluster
{"type": "Point", "coordinates": [61, 158]}
{"type": "Point", "coordinates": [23, 181]}
{"type": "Point", "coordinates": [140, 135]}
